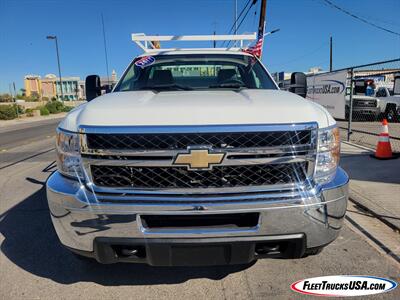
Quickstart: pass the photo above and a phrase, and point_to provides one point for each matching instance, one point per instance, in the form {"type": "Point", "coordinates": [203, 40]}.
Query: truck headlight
{"type": "Point", "coordinates": [68, 155]}
{"type": "Point", "coordinates": [328, 154]}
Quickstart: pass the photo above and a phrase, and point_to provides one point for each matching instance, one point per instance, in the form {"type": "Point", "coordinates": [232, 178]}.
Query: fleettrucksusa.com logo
{"type": "Point", "coordinates": [343, 286]}
{"type": "Point", "coordinates": [329, 87]}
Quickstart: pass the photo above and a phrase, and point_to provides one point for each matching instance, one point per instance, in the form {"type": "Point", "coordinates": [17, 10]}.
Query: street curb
{"type": "Point", "coordinates": [356, 199]}
{"type": "Point", "coordinates": [358, 146]}
{"type": "Point", "coordinates": [372, 238]}
{"type": "Point", "coordinates": [5, 124]}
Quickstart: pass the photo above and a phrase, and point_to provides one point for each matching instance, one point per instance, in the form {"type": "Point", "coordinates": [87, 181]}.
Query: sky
{"type": "Point", "coordinates": [302, 42]}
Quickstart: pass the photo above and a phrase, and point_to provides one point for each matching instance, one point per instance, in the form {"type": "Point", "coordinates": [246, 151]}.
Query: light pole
{"type": "Point", "coordinates": [235, 22]}
{"type": "Point", "coordinates": [54, 37]}
{"type": "Point", "coordinates": [271, 32]}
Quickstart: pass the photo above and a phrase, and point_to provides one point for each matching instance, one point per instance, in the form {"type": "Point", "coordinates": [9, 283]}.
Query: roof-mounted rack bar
{"type": "Point", "coordinates": [145, 41]}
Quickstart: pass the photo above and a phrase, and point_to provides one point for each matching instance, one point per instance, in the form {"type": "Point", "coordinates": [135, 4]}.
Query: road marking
{"type": "Point", "coordinates": [378, 234]}
{"type": "Point", "coordinates": [26, 158]}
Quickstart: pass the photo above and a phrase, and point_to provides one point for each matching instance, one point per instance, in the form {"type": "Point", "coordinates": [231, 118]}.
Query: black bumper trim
{"type": "Point", "coordinates": [196, 251]}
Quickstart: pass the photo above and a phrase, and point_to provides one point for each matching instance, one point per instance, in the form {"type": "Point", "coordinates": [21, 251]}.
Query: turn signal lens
{"type": "Point", "coordinates": [68, 155]}
{"type": "Point", "coordinates": [328, 154]}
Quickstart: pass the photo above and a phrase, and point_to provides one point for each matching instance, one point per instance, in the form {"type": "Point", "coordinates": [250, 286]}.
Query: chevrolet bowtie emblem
{"type": "Point", "coordinates": [199, 159]}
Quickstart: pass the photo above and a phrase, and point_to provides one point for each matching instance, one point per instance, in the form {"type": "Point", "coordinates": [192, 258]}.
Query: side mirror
{"type": "Point", "coordinates": [298, 84]}
{"type": "Point", "coordinates": [396, 87]}
{"type": "Point", "coordinates": [93, 87]}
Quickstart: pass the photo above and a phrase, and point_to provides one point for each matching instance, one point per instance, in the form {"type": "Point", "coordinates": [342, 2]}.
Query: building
{"type": "Point", "coordinates": [70, 88]}
{"type": "Point", "coordinates": [32, 85]}
{"type": "Point", "coordinates": [381, 78]}
{"type": "Point", "coordinates": [73, 88]}
{"type": "Point", "coordinates": [48, 86]}
{"type": "Point", "coordinates": [109, 81]}
{"type": "Point", "coordinates": [315, 70]}
{"type": "Point", "coordinates": [81, 90]}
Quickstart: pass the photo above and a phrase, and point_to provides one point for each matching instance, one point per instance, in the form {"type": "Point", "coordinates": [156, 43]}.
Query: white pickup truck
{"type": "Point", "coordinates": [385, 103]}
{"type": "Point", "coordinates": [388, 103]}
{"type": "Point", "coordinates": [197, 158]}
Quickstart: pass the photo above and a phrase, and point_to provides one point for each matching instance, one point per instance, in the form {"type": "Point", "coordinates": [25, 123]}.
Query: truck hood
{"type": "Point", "coordinates": [395, 98]}
{"type": "Point", "coordinates": [220, 107]}
{"type": "Point", "coordinates": [363, 97]}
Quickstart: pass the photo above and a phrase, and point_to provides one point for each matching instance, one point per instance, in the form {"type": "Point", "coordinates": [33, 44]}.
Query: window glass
{"type": "Point", "coordinates": [197, 71]}
{"type": "Point", "coordinates": [129, 79]}
{"type": "Point", "coordinates": [381, 93]}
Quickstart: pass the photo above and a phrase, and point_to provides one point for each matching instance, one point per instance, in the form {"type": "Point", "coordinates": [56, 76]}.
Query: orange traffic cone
{"type": "Point", "coordinates": [383, 148]}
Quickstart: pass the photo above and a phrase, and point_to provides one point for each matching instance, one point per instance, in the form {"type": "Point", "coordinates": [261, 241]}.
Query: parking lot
{"type": "Point", "coordinates": [33, 264]}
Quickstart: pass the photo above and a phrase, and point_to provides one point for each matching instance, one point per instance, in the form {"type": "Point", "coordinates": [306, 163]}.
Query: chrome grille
{"type": "Point", "coordinates": [142, 158]}
{"type": "Point", "coordinates": [218, 177]}
{"type": "Point", "coordinates": [184, 140]}
{"type": "Point", "coordinates": [364, 103]}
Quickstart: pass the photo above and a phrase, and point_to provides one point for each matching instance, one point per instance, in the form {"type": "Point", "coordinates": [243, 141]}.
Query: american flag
{"type": "Point", "coordinates": [256, 50]}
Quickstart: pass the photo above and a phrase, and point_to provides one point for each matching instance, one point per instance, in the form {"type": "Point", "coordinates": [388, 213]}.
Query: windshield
{"type": "Point", "coordinates": [195, 72]}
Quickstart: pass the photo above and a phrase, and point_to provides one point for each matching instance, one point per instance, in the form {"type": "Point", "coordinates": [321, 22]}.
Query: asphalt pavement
{"type": "Point", "coordinates": [33, 264]}
{"type": "Point", "coordinates": [26, 133]}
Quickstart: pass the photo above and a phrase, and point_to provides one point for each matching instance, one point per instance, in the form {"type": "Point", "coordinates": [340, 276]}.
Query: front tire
{"type": "Point", "coordinates": [391, 114]}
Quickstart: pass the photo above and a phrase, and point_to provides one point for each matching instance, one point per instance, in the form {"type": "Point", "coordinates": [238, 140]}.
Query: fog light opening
{"type": "Point", "coordinates": [269, 249]}
{"type": "Point", "coordinates": [124, 251]}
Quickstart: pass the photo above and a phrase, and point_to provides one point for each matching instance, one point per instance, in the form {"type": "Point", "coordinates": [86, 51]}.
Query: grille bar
{"type": "Point", "coordinates": [180, 177]}
{"type": "Point", "coordinates": [364, 103]}
{"type": "Point", "coordinates": [168, 141]}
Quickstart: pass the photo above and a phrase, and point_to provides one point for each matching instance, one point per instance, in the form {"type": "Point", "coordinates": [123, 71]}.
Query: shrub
{"type": "Point", "coordinates": [67, 108]}
{"type": "Point", "coordinates": [44, 111]}
{"type": "Point", "coordinates": [5, 98]}
{"type": "Point", "coordinates": [55, 107]}
{"type": "Point", "coordinates": [52, 107]}
{"type": "Point", "coordinates": [34, 96]}
{"type": "Point", "coordinates": [59, 106]}
{"type": "Point", "coordinates": [7, 112]}
{"type": "Point", "coordinates": [29, 112]}
{"type": "Point", "coordinates": [20, 108]}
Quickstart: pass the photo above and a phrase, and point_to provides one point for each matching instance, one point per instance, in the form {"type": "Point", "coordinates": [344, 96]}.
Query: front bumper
{"type": "Point", "coordinates": [375, 111]}
{"type": "Point", "coordinates": [84, 220]}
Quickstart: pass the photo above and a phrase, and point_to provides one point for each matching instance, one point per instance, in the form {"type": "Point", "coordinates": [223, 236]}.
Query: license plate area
{"type": "Point", "coordinates": [200, 255]}
{"type": "Point", "coordinates": [240, 221]}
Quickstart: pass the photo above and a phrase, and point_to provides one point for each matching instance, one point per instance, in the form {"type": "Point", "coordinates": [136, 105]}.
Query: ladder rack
{"type": "Point", "coordinates": [145, 42]}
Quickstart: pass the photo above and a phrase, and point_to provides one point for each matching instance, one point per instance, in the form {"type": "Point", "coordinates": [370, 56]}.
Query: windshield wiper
{"type": "Point", "coordinates": [167, 86]}
{"type": "Point", "coordinates": [229, 86]}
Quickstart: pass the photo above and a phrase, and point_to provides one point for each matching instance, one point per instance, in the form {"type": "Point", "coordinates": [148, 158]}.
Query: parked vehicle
{"type": "Point", "coordinates": [197, 158]}
{"type": "Point", "coordinates": [388, 103]}
{"type": "Point", "coordinates": [384, 104]}
{"type": "Point", "coordinates": [365, 108]}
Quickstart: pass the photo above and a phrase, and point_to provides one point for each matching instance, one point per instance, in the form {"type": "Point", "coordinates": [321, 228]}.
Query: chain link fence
{"type": "Point", "coordinates": [371, 96]}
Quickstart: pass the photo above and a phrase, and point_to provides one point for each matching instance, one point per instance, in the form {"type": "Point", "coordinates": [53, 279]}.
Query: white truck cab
{"type": "Point", "coordinates": [389, 103]}
{"type": "Point", "coordinates": [197, 158]}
